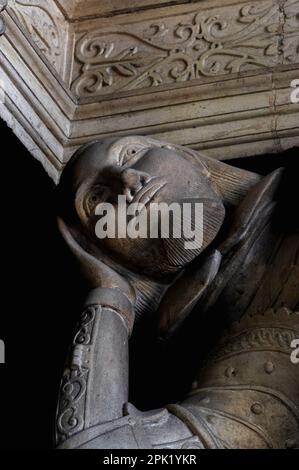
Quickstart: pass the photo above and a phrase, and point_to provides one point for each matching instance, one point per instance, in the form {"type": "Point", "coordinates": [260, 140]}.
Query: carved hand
{"type": "Point", "coordinates": [95, 271]}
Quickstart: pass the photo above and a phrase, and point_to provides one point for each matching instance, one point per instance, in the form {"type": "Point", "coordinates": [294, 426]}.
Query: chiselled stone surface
{"type": "Point", "coordinates": [215, 76]}
{"type": "Point", "coordinates": [3, 4]}
{"type": "Point", "coordinates": [203, 43]}
{"type": "Point", "coordinates": [208, 41]}
{"type": "Point", "coordinates": [238, 288]}
{"type": "Point", "coordinates": [45, 25]}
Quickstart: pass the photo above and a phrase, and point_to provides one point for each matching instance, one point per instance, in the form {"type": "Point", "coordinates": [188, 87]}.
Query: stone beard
{"type": "Point", "coordinates": [243, 282]}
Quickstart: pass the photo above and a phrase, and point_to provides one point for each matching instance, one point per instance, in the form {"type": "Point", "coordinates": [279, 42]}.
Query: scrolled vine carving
{"type": "Point", "coordinates": [70, 416]}
{"type": "Point", "coordinates": [3, 4]}
{"type": "Point", "coordinates": [201, 45]}
{"type": "Point", "coordinates": [71, 411]}
{"type": "Point", "coordinates": [291, 28]}
{"type": "Point", "coordinates": [83, 336]}
{"type": "Point", "coordinates": [42, 27]}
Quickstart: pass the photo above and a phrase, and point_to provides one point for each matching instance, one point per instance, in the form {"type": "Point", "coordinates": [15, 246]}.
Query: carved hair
{"type": "Point", "coordinates": [228, 183]}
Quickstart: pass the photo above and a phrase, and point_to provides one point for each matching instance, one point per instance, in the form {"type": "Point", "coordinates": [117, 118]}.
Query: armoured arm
{"type": "Point", "coordinates": [94, 387]}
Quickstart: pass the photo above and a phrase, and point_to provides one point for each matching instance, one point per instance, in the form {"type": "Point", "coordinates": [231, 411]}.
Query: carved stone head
{"type": "Point", "coordinates": [143, 169]}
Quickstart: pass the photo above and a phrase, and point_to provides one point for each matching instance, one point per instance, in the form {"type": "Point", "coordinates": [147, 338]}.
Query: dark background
{"type": "Point", "coordinates": [41, 299]}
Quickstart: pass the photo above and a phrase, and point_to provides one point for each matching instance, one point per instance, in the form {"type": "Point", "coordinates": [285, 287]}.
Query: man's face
{"type": "Point", "coordinates": [146, 172]}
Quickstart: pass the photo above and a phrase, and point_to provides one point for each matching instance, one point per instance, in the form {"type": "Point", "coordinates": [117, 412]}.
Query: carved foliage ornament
{"type": "Point", "coordinates": [291, 28]}
{"type": "Point", "coordinates": [3, 4]}
{"type": "Point", "coordinates": [41, 25]}
{"type": "Point", "coordinates": [203, 44]}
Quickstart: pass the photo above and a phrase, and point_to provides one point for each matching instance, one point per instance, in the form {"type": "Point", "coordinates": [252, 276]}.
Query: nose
{"type": "Point", "coordinates": [127, 181]}
{"type": "Point", "coordinates": [133, 180]}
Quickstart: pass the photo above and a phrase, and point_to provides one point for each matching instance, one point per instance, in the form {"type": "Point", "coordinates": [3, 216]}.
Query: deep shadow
{"type": "Point", "coordinates": [42, 298]}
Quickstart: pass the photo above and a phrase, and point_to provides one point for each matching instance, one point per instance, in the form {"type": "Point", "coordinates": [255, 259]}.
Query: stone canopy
{"type": "Point", "coordinates": [212, 75]}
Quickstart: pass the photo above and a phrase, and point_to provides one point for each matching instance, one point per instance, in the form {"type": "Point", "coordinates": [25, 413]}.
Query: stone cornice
{"type": "Point", "coordinates": [79, 11]}
{"type": "Point", "coordinates": [239, 106]}
{"type": "Point", "coordinates": [3, 4]}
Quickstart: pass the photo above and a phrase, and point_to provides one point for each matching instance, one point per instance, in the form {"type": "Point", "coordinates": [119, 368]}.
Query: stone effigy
{"type": "Point", "coordinates": [244, 277]}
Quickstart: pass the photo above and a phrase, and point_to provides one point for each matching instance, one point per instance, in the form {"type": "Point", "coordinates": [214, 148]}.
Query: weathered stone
{"type": "Point", "coordinates": [211, 75]}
